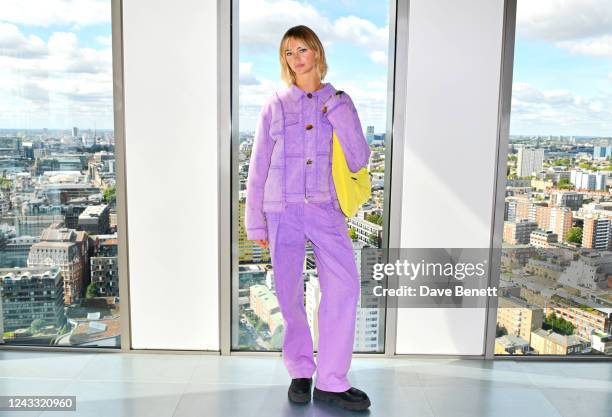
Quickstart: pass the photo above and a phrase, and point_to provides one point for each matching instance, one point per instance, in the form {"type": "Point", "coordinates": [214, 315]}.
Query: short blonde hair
{"type": "Point", "coordinates": [307, 35]}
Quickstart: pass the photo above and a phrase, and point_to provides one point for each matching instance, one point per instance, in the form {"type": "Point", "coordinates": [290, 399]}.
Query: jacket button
{"type": "Point", "coordinates": [324, 109]}
{"type": "Point", "coordinates": [308, 126]}
{"type": "Point", "coordinates": [309, 161]}
{"type": "Point", "coordinates": [309, 95]}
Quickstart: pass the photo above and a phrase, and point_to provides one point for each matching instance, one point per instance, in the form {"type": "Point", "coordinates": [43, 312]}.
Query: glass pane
{"type": "Point", "coordinates": [58, 238]}
{"type": "Point", "coordinates": [355, 38]}
{"type": "Point", "coordinates": [556, 279]}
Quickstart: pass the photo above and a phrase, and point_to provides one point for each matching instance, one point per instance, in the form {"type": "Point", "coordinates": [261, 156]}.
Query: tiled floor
{"type": "Point", "coordinates": [164, 385]}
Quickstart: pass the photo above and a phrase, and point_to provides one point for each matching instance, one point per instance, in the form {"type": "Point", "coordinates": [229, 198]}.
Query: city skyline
{"type": "Point", "coordinates": [56, 62]}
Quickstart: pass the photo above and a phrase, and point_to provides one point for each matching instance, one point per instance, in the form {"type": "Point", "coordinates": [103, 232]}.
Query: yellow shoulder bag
{"type": "Point", "coordinates": [352, 188]}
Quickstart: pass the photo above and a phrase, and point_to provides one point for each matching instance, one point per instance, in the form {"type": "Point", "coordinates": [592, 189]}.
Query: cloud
{"type": "Point", "coordinates": [246, 74]}
{"type": "Point", "coordinates": [14, 43]}
{"type": "Point", "coordinates": [601, 46]}
{"type": "Point", "coordinates": [534, 109]}
{"type": "Point", "coordinates": [380, 57]}
{"type": "Point", "coordinates": [368, 95]}
{"type": "Point", "coordinates": [53, 82]}
{"type": "Point", "coordinates": [32, 56]}
{"type": "Point", "coordinates": [35, 93]}
{"type": "Point", "coordinates": [579, 26]}
{"type": "Point", "coordinates": [559, 20]}
{"type": "Point", "coordinates": [76, 13]}
{"type": "Point", "coordinates": [263, 23]}
{"type": "Point", "coordinates": [361, 32]}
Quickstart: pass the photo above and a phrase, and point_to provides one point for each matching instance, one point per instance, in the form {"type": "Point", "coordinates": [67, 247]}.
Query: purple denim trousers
{"type": "Point", "coordinates": [324, 225]}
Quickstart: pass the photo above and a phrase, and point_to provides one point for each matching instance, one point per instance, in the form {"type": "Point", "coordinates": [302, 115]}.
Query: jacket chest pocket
{"type": "Point", "coordinates": [324, 141]}
{"type": "Point", "coordinates": [294, 134]}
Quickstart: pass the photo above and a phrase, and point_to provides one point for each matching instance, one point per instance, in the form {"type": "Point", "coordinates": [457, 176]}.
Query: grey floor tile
{"type": "Point", "coordinates": [472, 400]}
{"type": "Point", "coordinates": [385, 376]}
{"type": "Point", "coordinates": [256, 370]}
{"type": "Point", "coordinates": [122, 399]}
{"type": "Point", "coordinates": [589, 370]}
{"type": "Point", "coordinates": [552, 368]}
{"type": "Point", "coordinates": [573, 402]}
{"type": "Point", "coordinates": [51, 365]}
{"type": "Point", "coordinates": [231, 400]}
{"type": "Point", "coordinates": [238, 400]}
{"type": "Point", "coordinates": [145, 367]}
{"type": "Point", "coordinates": [162, 385]}
{"type": "Point", "coordinates": [569, 382]}
{"type": "Point", "coordinates": [30, 386]}
{"type": "Point", "coordinates": [477, 373]}
{"type": "Point", "coordinates": [400, 401]}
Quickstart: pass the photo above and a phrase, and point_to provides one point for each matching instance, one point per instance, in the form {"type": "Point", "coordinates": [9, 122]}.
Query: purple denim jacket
{"type": "Point", "coordinates": [291, 155]}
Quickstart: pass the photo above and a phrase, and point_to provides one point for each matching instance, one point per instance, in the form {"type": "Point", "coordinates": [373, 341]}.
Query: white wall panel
{"type": "Point", "coordinates": [454, 57]}
{"type": "Point", "coordinates": [170, 79]}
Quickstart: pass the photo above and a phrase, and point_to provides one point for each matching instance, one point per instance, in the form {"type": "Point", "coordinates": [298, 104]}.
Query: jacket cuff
{"type": "Point", "coordinates": [259, 233]}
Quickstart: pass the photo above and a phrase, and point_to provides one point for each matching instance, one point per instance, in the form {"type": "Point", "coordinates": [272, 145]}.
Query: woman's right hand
{"type": "Point", "coordinates": [262, 242]}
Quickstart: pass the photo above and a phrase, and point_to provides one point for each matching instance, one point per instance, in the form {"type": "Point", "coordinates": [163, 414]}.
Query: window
{"type": "Point", "coordinates": [556, 265]}
{"type": "Point", "coordinates": [56, 138]}
{"type": "Point", "coordinates": [354, 35]}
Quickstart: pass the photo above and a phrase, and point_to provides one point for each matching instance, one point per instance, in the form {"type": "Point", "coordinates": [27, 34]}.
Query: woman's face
{"type": "Point", "coordinates": [300, 57]}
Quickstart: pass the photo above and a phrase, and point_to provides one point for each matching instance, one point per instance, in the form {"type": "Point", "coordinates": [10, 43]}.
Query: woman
{"type": "Point", "coordinates": [291, 198]}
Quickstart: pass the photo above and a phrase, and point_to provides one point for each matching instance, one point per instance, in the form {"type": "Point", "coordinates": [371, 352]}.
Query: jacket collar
{"type": "Point", "coordinates": [297, 93]}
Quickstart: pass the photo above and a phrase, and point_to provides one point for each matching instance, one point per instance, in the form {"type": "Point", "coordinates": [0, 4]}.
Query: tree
{"type": "Point", "coordinates": [558, 324]}
{"type": "Point", "coordinates": [574, 235]}
{"type": "Point", "coordinates": [564, 183]}
{"type": "Point", "coordinates": [374, 240]}
{"type": "Point", "coordinates": [277, 337]}
{"type": "Point", "coordinates": [374, 218]}
{"type": "Point", "coordinates": [37, 325]}
{"type": "Point", "coordinates": [500, 331]}
{"type": "Point", "coordinates": [109, 194]}
{"type": "Point", "coordinates": [91, 291]}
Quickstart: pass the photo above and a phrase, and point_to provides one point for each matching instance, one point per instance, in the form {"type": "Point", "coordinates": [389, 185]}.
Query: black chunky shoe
{"type": "Point", "coordinates": [351, 399]}
{"type": "Point", "coordinates": [299, 390]}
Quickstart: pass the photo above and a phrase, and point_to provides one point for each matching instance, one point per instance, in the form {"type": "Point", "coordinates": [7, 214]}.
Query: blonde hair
{"type": "Point", "coordinates": [307, 35]}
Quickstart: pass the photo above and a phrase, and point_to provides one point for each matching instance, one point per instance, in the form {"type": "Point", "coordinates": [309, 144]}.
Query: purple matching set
{"type": "Point", "coordinates": [291, 199]}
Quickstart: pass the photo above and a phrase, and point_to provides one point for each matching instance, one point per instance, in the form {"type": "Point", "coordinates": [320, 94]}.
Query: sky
{"type": "Point", "coordinates": [56, 61]}
{"type": "Point", "coordinates": [55, 64]}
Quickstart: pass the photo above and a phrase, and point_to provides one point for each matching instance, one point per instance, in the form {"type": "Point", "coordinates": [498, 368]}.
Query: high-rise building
{"type": "Point", "coordinates": [519, 317]}
{"type": "Point", "coordinates": [105, 276]}
{"type": "Point", "coordinates": [584, 180]}
{"type": "Point", "coordinates": [370, 134]}
{"type": "Point", "coordinates": [529, 161]}
{"type": "Point", "coordinates": [542, 238]}
{"type": "Point", "coordinates": [66, 249]}
{"type": "Point", "coordinates": [31, 293]}
{"type": "Point", "coordinates": [265, 305]}
{"type": "Point", "coordinates": [569, 199]}
{"type": "Point", "coordinates": [518, 232]}
{"type": "Point", "coordinates": [602, 152]}
{"type": "Point", "coordinates": [94, 220]}
{"type": "Point", "coordinates": [557, 219]}
{"type": "Point", "coordinates": [597, 232]}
